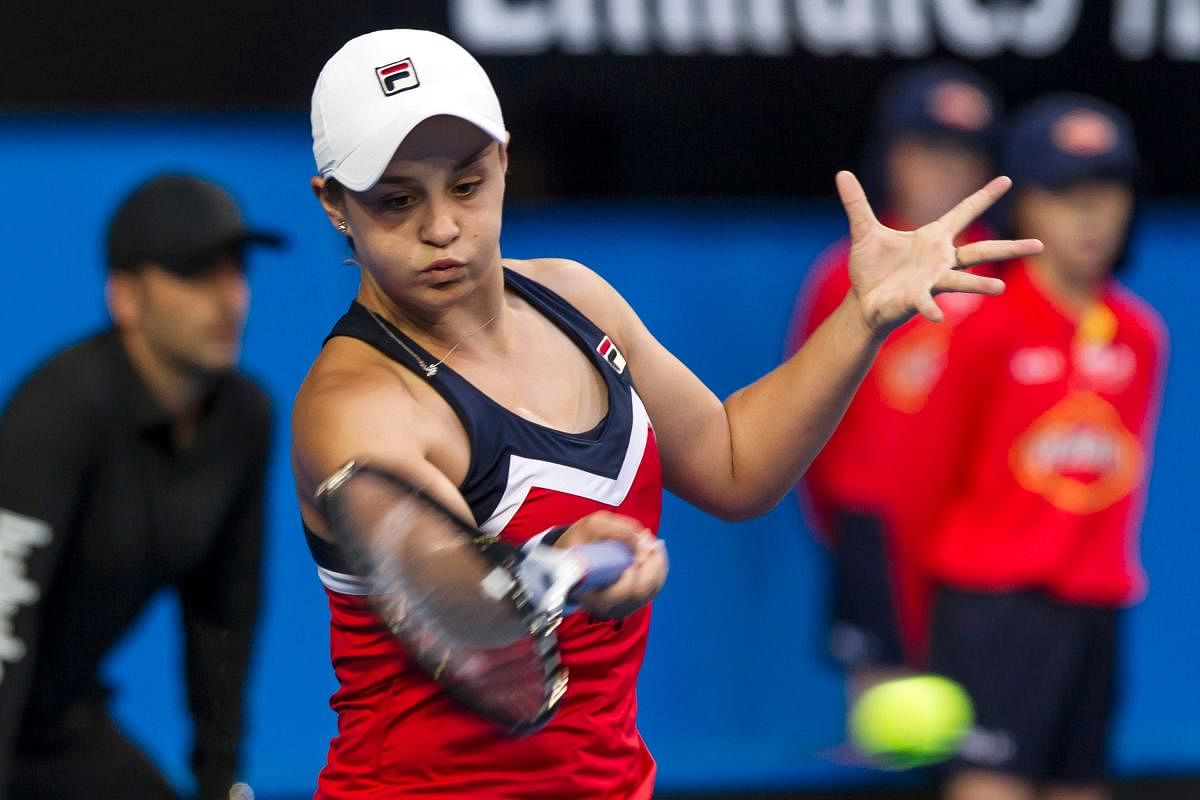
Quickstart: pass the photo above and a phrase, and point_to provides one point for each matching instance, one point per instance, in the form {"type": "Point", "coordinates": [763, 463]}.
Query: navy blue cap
{"type": "Point", "coordinates": [1062, 139]}
{"type": "Point", "coordinates": [179, 223]}
{"type": "Point", "coordinates": [940, 100]}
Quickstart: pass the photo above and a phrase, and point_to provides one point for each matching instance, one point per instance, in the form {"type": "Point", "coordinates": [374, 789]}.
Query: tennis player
{"type": "Point", "coordinates": [131, 462]}
{"type": "Point", "coordinates": [935, 131]}
{"type": "Point", "coordinates": [527, 394]}
{"type": "Point", "coordinates": [1045, 423]}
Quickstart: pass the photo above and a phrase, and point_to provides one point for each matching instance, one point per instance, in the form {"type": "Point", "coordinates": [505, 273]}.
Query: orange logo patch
{"type": "Point", "coordinates": [957, 104]}
{"type": "Point", "coordinates": [1084, 133]}
{"type": "Point", "coordinates": [909, 369]}
{"type": "Point", "coordinates": [1078, 455]}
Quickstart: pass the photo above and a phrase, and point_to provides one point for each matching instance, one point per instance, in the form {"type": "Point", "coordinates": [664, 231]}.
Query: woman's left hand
{"type": "Point", "coordinates": [895, 274]}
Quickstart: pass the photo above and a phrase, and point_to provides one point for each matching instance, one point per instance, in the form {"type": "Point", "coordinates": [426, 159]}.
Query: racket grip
{"type": "Point", "coordinates": [603, 561]}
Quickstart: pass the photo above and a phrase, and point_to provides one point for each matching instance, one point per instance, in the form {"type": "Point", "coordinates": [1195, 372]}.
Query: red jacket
{"type": "Point", "coordinates": [1045, 423]}
{"type": "Point", "coordinates": [874, 460]}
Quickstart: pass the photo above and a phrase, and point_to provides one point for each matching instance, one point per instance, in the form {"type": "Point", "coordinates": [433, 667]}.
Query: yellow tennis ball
{"type": "Point", "coordinates": [911, 722]}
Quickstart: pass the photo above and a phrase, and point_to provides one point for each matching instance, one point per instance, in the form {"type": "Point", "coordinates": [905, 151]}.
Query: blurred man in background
{"type": "Point", "coordinates": [132, 461]}
{"type": "Point", "coordinates": [1044, 419]}
{"type": "Point", "coordinates": [935, 131]}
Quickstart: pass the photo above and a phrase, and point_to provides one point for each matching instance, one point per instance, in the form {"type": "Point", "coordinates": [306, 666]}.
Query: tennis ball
{"type": "Point", "coordinates": [911, 722]}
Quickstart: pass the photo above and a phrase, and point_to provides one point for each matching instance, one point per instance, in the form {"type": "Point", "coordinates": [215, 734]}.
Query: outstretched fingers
{"type": "Point", "coordinates": [928, 309]}
{"type": "Point", "coordinates": [854, 201]}
{"type": "Point", "coordinates": [971, 207]}
{"type": "Point", "coordinates": [996, 250]}
{"type": "Point", "coordinates": [966, 282]}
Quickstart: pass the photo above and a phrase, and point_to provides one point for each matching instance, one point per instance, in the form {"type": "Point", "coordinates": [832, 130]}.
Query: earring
{"type": "Point", "coordinates": [343, 227]}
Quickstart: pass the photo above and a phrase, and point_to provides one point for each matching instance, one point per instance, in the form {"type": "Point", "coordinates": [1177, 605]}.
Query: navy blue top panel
{"type": "Point", "coordinates": [495, 433]}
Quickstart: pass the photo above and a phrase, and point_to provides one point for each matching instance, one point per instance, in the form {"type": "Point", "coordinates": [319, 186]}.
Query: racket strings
{"type": "Point", "coordinates": [451, 598]}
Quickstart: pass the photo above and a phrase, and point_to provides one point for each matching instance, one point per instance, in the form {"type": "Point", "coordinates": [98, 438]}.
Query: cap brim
{"type": "Point", "coordinates": [361, 169]}
{"type": "Point", "coordinates": [257, 238]}
{"type": "Point", "coordinates": [203, 257]}
{"type": "Point", "coordinates": [982, 139]}
{"type": "Point", "coordinates": [261, 238]}
{"type": "Point", "coordinates": [1065, 176]}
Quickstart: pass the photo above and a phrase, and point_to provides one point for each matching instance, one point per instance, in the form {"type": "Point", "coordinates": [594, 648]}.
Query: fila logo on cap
{"type": "Point", "coordinates": [609, 352]}
{"type": "Point", "coordinates": [399, 76]}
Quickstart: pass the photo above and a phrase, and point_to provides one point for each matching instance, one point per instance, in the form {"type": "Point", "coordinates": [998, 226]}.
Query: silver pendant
{"type": "Point", "coordinates": [431, 371]}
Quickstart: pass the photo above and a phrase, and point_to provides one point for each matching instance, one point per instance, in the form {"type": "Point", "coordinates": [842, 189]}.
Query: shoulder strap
{"type": "Point", "coordinates": [590, 337]}
{"type": "Point", "coordinates": [359, 323]}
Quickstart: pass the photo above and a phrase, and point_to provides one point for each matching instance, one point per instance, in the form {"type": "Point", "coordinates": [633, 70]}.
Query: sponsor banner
{"type": "Point", "coordinates": [639, 97]}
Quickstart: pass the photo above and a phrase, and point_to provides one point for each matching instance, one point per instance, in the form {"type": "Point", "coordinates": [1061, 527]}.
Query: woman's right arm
{"type": "Point", "coordinates": [369, 414]}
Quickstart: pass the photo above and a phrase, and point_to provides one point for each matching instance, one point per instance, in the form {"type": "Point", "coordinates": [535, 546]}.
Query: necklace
{"type": "Point", "coordinates": [429, 369]}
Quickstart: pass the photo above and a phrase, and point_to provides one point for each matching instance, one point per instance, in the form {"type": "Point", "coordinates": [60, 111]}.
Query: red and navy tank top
{"type": "Point", "coordinates": [398, 734]}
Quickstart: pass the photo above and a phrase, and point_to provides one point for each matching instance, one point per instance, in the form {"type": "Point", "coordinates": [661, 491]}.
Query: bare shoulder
{"type": "Point", "coordinates": [353, 404]}
{"type": "Point", "coordinates": [581, 287]}
{"type": "Point", "coordinates": [347, 373]}
{"type": "Point", "coordinates": [358, 405]}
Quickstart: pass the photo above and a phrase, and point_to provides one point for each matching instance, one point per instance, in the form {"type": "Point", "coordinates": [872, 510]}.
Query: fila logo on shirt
{"type": "Point", "coordinates": [609, 352]}
{"type": "Point", "coordinates": [398, 76]}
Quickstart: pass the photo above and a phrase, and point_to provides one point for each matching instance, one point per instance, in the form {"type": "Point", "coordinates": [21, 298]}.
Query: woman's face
{"type": "Point", "coordinates": [429, 230]}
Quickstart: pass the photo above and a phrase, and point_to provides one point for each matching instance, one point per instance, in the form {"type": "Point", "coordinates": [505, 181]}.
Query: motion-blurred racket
{"type": "Point", "coordinates": [478, 614]}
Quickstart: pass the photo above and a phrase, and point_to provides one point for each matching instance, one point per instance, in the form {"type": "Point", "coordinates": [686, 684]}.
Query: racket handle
{"type": "Point", "coordinates": [603, 561]}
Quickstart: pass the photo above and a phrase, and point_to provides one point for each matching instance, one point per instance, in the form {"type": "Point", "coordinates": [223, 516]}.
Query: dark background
{"type": "Point", "coordinates": [601, 124]}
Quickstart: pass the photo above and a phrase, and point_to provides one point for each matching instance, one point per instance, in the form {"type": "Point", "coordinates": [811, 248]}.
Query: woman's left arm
{"type": "Point", "coordinates": [736, 459]}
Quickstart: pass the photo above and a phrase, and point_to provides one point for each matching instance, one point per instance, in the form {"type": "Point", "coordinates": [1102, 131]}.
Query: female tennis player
{"type": "Point", "coordinates": [506, 388]}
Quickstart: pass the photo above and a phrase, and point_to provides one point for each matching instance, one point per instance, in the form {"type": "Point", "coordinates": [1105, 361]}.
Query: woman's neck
{"type": "Point", "coordinates": [447, 326]}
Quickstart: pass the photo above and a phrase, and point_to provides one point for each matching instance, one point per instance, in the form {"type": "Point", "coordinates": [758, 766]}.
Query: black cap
{"type": "Point", "coordinates": [940, 100]}
{"type": "Point", "coordinates": [179, 223]}
{"type": "Point", "coordinates": [1063, 139]}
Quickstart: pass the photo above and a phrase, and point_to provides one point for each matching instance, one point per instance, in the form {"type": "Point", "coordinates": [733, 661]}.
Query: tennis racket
{"type": "Point", "coordinates": [478, 614]}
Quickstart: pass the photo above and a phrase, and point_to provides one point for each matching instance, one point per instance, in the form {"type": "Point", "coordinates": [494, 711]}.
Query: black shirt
{"type": "Point", "coordinates": [99, 509]}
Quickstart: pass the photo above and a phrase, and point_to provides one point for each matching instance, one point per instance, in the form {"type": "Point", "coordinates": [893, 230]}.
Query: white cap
{"type": "Point", "coordinates": [380, 86]}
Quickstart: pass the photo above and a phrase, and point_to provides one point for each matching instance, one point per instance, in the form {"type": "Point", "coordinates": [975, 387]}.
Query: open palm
{"type": "Point", "coordinates": [896, 274]}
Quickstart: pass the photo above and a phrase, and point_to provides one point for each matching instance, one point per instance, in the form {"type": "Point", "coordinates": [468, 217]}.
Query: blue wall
{"type": "Point", "coordinates": [715, 282]}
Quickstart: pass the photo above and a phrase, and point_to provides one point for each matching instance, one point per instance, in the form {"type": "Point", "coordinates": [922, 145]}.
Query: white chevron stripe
{"type": "Point", "coordinates": [342, 583]}
{"type": "Point", "coordinates": [526, 474]}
